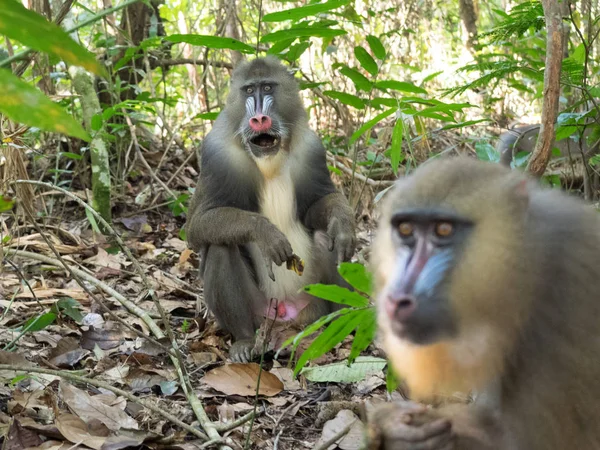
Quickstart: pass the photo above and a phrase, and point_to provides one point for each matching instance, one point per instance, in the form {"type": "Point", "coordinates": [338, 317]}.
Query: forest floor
{"type": "Point", "coordinates": [68, 329]}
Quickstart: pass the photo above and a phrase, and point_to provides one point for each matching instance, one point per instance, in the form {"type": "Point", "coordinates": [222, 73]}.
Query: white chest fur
{"type": "Point", "coordinates": [278, 204]}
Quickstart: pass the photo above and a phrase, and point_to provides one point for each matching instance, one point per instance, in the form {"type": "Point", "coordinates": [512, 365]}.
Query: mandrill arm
{"type": "Point", "coordinates": [332, 214]}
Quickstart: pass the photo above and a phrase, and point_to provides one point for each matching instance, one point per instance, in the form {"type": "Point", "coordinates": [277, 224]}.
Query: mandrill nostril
{"type": "Point", "coordinates": [400, 307]}
{"type": "Point", "coordinates": [405, 303]}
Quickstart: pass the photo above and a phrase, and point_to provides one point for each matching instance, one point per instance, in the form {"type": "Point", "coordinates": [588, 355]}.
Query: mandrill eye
{"type": "Point", "coordinates": [267, 88]}
{"type": "Point", "coordinates": [405, 229]}
{"type": "Point", "coordinates": [249, 90]}
{"type": "Point", "coordinates": [444, 229]}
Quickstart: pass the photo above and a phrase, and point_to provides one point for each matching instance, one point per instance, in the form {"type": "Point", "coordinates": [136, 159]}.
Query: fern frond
{"type": "Point", "coordinates": [522, 17]}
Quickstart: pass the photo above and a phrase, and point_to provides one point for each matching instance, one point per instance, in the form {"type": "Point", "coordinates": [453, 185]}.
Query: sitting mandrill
{"type": "Point", "coordinates": [265, 197]}
{"type": "Point", "coordinates": [486, 282]}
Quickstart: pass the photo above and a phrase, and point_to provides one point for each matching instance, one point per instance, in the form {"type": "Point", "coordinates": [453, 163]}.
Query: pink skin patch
{"type": "Point", "coordinates": [285, 310]}
{"type": "Point", "coordinates": [260, 123]}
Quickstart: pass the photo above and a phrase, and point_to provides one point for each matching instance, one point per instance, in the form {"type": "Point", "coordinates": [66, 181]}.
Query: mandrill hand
{"type": "Point", "coordinates": [274, 246]}
{"type": "Point", "coordinates": [408, 426]}
{"type": "Point", "coordinates": [341, 238]}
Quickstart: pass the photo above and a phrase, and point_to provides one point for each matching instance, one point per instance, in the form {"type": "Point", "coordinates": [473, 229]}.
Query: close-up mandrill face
{"type": "Point", "coordinates": [423, 243]}
{"type": "Point", "coordinates": [264, 97]}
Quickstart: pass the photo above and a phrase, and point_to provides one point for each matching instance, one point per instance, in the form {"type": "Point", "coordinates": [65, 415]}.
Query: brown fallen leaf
{"type": "Point", "coordinates": [19, 438]}
{"type": "Point", "coordinates": [88, 408]}
{"type": "Point", "coordinates": [241, 379]}
{"type": "Point", "coordinates": [78, 432]}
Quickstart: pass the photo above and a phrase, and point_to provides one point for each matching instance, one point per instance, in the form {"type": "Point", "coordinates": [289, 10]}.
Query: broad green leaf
{"type": "Point", "coordinates": [96, 122]}
{"type": "Point", "coordinates": [383, 101]}
{"type": "Point", "coordinates": [25, 104]}
{"type": "Point", "coordinates": [366, 61]}
{"type": "Point", "coordinates": [32, 30]}
{"type": "Point", "coordinates": [376, 47]}
{"type": "Point", "coordinates": [297, 50]}
{"type": "Point", "coordinates": [563, 132]}
{"type": "Point", "coordinates": [295, 340]}
{"type": "Point", "coordinates": [346, 99]}
{"type": "Point", "coordinates": [370, 124]}
{"type": "Point", "coordinates": [304, 11]}
{"type": "Point", "coordinates": [211, 42]}
{"type": "Point", "coordinates": [280, 46]}
{"type": "Point", "coordinates": [432, 76]}
{"type": "Point", "coordinates": [38, 323]}
{"type": "Point", "coordinates": [360, 81]}
{"type": "Point", "coordinates": [337, 294]}
{"type": "Point", "coordinates": [6, 203]}
{"type": "Point", "coordinates": [486, 152]}
{"type": "Point", "coordinates": [357, 276]}
{"type": "Point", "coordinates": [396, 150]}
{"type": "Point", "coordinates": [365, 333]}
{"type": "Point", "coordinates": [293, 33]}
{"type": "Point", "coordinates": [69, 307]}
{"type": "Point", "coordinates": [335, 333]}
{"type": "Point", "coordinates": [207, 116]}
{"type": "Point", "coordinates": [341, 372]}
{"type": "Point", "coordinates": [401, 86]}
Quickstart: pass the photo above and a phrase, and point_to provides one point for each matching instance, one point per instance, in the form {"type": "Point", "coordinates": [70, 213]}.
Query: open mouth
{"type": "Point", "coordinates": [265, 141]}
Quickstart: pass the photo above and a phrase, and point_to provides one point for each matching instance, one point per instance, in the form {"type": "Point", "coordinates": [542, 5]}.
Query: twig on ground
{"type": "Point", "coordinates": [101, 384]}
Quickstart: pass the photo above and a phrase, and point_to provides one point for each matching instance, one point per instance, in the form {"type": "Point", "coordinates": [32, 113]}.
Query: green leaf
{"type": "Point", "coordinates": [69, 307]}
{"type": "Point", "coordinates": [360, 81]}
{"type": "Point", "coordinates": [304, 11]}
{"type": "Point", "coordinates": [366, 61]}
{"type": "Point", "coordinates": [96, 122]}
{"type": "Point", "coordinates": [207, 116]}
{"type": "Point", "coordinates": [376, 47]}
{"type": "Point", "coordinates": [399, 86]}
{"type": "Point", "coordinates": [396, 150]}
{"type": "Point", "coordinates": [295, 340]}
{"type": "Point", "coordinates": [341, 372]}
{"type": "Point", "coordinates": [6, 203]}
{"type": "Point", "coordinates": [32, 30]}
{"type": "Point", "coordinates": [92, 219]}
{"type": "Point", "coordinates": [564, 131]}
{"type": "Point", "coordinates": [346, 99]}
{"type": "Point", "coordinates": [71, 155]}
{"type": "Point", "coordinates": [486, 152]}
{"type": "Point", "coordinates": [183, 235]}
{"type": "Point", "coordinates": [38, 323]}
{"type": "Point", "coordinates": [335, 333]}
{"type": "Point", "coordinates": [293, 33]}
{"type": "Point", "coordinates": [280, 46]}
{"type": "Point", "coordinates": [337, 294]}
{"type": "Point", "coordinates": [177, 205]}
{"type": "Point", "coordinates": [357, 276]}
{"type": "Point", "coordinates": [296, 51]}
{"type": "Point", "coordinates": [370, 124]}
{"type": "Point", "coordinates": [432, 76]}
{"type": "Point", "coordinates": [211, 42]}
{"type": "Point", "coordinates": [25, 104]}
{"type": "Point", "coordinates": [365, 333]}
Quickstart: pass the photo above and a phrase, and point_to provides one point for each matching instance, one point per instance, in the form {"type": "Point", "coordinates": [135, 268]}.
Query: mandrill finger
{"type": "Point", "coordinates": [424, 434]}
{"type": "Point", "coordinates": [269, 266]}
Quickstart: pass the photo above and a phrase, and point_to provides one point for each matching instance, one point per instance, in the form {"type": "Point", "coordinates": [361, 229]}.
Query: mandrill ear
{"type": "Point", "coordinates": [518, 189]}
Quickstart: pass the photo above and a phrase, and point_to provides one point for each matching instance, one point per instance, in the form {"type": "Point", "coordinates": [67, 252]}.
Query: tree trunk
{"type": "Point", "coordinates": [555, 41]}
{"type": "Point", "coordinates": [468, 14]}
{"type": "Point", "coordinates": [83, 83]}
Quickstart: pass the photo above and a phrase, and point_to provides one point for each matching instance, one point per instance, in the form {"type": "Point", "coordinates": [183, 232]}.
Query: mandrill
{"type": "Point", "coordinates": [487, 283]}
{"type": "Point", "coordinates": [265, 201]}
